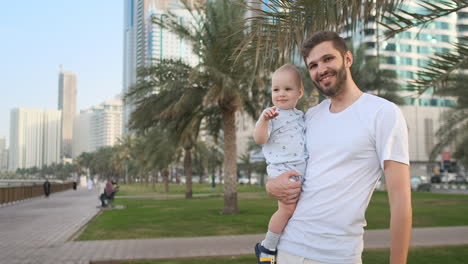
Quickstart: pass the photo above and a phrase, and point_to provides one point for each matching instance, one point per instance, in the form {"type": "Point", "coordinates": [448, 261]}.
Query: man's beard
{"type": "Point", "coordinates": [333, 91]}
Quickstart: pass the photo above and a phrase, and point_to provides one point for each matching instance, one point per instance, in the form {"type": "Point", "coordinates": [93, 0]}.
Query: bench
{"type": "Point", "coordinates": [107, 201]}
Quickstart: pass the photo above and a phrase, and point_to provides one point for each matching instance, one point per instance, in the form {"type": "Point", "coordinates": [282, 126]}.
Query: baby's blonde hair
{"type": "Point", "coordinates": [295, 71]}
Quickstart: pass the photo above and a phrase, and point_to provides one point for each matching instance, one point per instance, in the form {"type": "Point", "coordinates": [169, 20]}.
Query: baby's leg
{"type": "Point", "coordinates": [277, 223]}
{"type": "Point", "coordinates": [281, 217]}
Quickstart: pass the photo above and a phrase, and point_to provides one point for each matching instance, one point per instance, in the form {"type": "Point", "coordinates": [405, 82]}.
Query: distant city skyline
{"type": "Point", "coordinates": [84, 36]}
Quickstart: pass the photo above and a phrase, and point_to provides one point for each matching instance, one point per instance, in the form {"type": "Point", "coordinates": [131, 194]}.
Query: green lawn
{"type": "Point", "coordinates": [151, 218]}
{"type": "Point", "coordinates": [436, 255]}
{"type": "Point", "coordinates": [146, 189]}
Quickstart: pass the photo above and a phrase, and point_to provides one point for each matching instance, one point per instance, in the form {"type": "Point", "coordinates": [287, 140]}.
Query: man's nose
{"type": "Point", "coordinates": [321, 69]}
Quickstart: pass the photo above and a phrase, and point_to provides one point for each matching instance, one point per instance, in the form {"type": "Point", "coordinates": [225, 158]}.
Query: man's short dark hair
{"type": "Point", "coordinates": [321, 36]}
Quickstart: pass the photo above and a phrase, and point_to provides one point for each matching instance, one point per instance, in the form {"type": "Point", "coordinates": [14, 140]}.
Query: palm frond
{"type": "Point", "coordinates": [400, 20]}
{"type": "Point", "coordinates": [441, 66]}
{"type": "Point", "coordinates": [276, 30]}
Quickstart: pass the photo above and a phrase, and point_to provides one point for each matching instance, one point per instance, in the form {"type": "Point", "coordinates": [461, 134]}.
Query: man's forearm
{"type": "Point", "coordinates": [400, 230]}
{"type": "Point", "coordinates": [399, 193]}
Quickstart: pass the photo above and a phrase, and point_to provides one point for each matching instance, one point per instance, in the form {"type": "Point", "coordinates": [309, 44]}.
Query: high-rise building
{"type": "Point", "coordinates": [407, 53]}
{"type": "Point", "coordinates": [98, 126]}
{"type": "Point", "coordinates": [35, 138]}
{"type": "Point", "coordinates": [3, 154]}
{"type": "Point", "coordinates": [67, 104]}
{"type": "Point", "coordinates": [144, 41]}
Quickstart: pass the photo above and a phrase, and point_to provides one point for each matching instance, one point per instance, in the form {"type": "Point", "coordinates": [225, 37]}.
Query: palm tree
{"type": "Point", "coordinates": [276, 32]}
{"type": "Point", "coordinates": [455, 121]}
{"type": "Point", "coordinates": [230, 85]}
{"type": "Point", "coordinates": [125, 153]}
{"type": "Point", "coordinates": [84, 161]}
{"type": "Point", "coordinates": [370, 78]}
{"type": "Point", "coordinates": [167, 99]}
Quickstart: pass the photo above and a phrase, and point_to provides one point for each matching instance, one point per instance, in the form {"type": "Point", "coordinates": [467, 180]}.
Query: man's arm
{"type": "Point", "coordinates": [283, 189]}
{"type": "Point", "coordinates": [397, 178]}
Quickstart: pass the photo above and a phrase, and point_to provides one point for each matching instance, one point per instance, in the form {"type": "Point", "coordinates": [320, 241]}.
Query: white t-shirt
{"type": "Point", "coordinates": [347, 151]}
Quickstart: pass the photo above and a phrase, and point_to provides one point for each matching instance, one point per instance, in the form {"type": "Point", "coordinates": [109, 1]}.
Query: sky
{"type": "Point", "coordinates": [85, 36]}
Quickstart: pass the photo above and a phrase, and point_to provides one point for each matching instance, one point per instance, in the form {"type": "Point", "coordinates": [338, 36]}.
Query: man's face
{"type": "Point", "coordinates": [327, 69]}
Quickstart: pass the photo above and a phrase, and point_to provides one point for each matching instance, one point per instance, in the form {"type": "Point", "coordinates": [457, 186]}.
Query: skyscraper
{"type": "Point", "coordinates": [98, 126]}
{"type": "Point", "coordinates": [35, 137]}
{"type": "Point", "coordinates": [144, 41]}
{"type": "Point", "coordinates": [67, 104]}
{"type": "Point", "coordinates": [3, 154]}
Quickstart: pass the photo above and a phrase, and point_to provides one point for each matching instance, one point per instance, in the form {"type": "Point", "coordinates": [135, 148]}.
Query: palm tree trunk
{"type": "Point", "coordinates": [126, 172]}
{"type": "Point", "coordinates": [165, 174]}
{"type": "Point", "coordinates": [188, 172]}
{"type": "Point", "coordinates": [230, 163]}
{"type": "Point", "coordinates": [154, 177]}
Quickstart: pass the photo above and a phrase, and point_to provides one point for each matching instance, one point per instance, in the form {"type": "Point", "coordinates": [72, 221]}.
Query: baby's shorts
{"type": "Point", "coordinates": [276, 169]}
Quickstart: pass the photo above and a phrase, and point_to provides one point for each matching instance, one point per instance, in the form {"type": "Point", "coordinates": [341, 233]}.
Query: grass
{"type": "Point", "coordinates": [151, 218]}
{"type": "Point", "coordinates": [146, 189]}
{"type": "Point", "coordinates": [435, 255]}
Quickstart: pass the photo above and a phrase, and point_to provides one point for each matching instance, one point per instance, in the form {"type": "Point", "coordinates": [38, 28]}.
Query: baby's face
{"type": "Point", "coordinates": [285, 90]}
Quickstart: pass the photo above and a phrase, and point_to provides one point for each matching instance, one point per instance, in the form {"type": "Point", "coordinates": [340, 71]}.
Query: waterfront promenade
{"type": "Point", "coordinates": [40, 230]}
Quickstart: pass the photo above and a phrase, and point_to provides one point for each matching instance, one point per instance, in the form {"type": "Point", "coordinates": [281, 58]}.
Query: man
{"type": "Point", "coordinates": [352, 138]}
{"type": "Point", "coordinates": [46, 187]}
{"type": "Point", "coordinates": [108, 194]}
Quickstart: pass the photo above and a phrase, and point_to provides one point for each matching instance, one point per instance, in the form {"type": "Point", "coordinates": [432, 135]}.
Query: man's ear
{"type": "Point", "coordinates": [348, 59]}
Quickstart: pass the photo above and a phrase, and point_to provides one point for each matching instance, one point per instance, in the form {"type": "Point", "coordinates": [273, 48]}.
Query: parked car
{"type": "Point", "coordinates": [436, 178]}
{"type": "Point", "coordinates": [460, 179]}
{"type": "Point", "coordinates": [449, 177]}
{"type": "Point", "coordinates": [420, 183]}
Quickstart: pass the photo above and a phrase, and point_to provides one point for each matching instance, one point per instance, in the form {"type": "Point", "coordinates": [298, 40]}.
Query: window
{"type": "Point", "coordinates": [422, 62]}
{"type": "Point", "coordinates": [405, 48]}
{"type": "Point", "coordinates": [441, 25]}
{"type": "Point", "coordinates": [462, 28]}
{"type": "Point", "coordinates": [369, 31]}
{"type": "Point", "coordinates": [390, 47]}
{"type": "Point", "coordinates": [407, 61]}
{"type": "Point", "coordinates": [424, 50]}
{"type": "Point", "coordinates": [424, 37]}
{"type": "Point", "coordinates": [370, 45]}
{"type": "Point", "coordinates": [462, 15]}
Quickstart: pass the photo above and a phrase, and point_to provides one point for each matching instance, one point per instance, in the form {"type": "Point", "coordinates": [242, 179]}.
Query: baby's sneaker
{"type": "Point", "coordinates": [264, 255]}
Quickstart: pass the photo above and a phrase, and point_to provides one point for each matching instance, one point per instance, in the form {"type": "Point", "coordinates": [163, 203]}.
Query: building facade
{"type": "Point", "coordinates": [97, 127]}
{"type": "Point", "coordinates": [3, 154]}
{"type": "Point", "coordinates": [144, 41]}
{"type": "Point", "coordinates": [406, 54]}
{"type": "Point", "coordinates": [67, 104]}
{"type": "Point", "coordinates": [35, 138]}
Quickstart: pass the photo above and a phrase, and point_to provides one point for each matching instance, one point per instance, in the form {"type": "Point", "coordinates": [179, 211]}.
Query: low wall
{"type": "Point", "coordinates": [18, 193]}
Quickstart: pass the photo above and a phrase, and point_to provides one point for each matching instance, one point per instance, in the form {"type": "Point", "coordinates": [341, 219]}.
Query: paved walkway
{"type": "Point", "coordinates": [38, 231]}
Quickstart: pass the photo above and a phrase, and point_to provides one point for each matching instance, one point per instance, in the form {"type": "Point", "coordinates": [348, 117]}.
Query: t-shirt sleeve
{"type": "Point", "coordinates": [391, 135]}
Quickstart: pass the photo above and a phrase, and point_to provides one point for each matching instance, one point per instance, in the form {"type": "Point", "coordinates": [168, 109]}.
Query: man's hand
{"type": "Point", "coordinates": [283, 188]}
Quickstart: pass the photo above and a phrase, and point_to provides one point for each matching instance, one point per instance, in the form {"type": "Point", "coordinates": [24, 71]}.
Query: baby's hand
{"type": "Point", "coordinates": [269, 113]}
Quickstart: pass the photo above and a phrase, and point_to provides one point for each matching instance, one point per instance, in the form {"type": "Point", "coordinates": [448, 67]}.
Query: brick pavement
{"type": "Point", "coordinates": [37, 230]}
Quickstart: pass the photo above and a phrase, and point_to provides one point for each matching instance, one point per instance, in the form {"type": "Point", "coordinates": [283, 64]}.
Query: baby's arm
{"type": "Point", "coordinates": [261, 128]}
